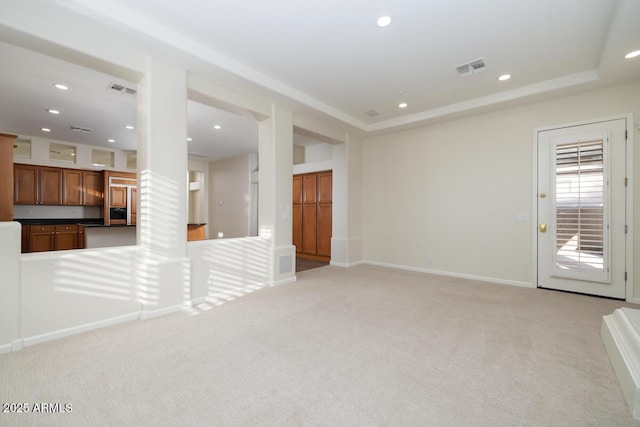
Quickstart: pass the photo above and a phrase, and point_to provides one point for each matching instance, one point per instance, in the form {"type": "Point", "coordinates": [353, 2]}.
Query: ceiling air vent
{"type": "Point", "coordinates": [473, 67]}
{"type": "Point", "coordinates": [122, 89]}
{"type": "Point", "coordinates": [80, 129]}
{"type": "Point", "coordinates": [372, 113]}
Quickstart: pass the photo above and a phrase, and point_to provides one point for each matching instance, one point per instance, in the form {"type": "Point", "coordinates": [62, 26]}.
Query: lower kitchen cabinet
{"type": "Point", "coordinates": [66, 237]}
{"type": "Point", "coordinates": [42, 238]}
{"type": "Point", "coordinates": [55, 237]}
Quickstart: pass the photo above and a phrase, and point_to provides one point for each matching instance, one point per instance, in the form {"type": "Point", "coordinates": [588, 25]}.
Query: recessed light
{"type": "Point", "coordinates": [383, 21]}
{"type": "Point", "coordinates": [217, 127]}
{"type": "Point", "coordinates": [129, 127]}
{"type": "Point", "coordinates": [45, 130]}
{"type": "Point", "coordinates": [111, 140]}
{"type": "Point", "coordinates": [402, 105]}
{"type": "Point", "coordinates": [632, 54]}
{"type": "Point", "coordinates": [504, 77]}
{"type": "Point", "coordinates": [60, 86]}
{"type": "Point", "coordinates": [189, 139]}
{"type": "Point", "coordinates": [53, 111]}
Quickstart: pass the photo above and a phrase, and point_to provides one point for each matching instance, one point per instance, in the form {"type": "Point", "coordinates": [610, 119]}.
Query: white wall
{"type": "Point", "coordinates": [445, 197]}
{"type": "Point", "coordinates": [40, 155]}
{"type": "Point", "coordinates": [318, 152]}
{"type": "Point", "coordinates": [229, 190]}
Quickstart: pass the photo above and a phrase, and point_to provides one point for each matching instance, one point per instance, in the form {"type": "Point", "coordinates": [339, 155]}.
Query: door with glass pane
{"type": "Point", "coordinates": [581, 208]}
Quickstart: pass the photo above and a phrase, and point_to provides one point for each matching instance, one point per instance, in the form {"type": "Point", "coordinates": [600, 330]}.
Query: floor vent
{"type": "Point", "coordinates": [473, 67]}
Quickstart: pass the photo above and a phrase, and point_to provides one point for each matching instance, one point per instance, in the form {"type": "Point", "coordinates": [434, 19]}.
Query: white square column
{"type": "Point", "coordinates": [275, 161]}
{"type": "Point", "coordinates": [347, 243]}
{"type": "Point", "coordinates": [163, 274]}
{"type": "Point", "coordinates": [10, 263]}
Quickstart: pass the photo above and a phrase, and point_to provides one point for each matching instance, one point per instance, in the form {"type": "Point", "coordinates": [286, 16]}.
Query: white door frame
{"type": "Point", "coordinates": [629, 199]}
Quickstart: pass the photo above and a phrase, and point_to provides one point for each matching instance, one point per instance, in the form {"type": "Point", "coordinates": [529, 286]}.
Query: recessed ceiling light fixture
{"type": "Point", "coordinates": [402, 105]}
{"type": "Point", "coordinates": [189, 139]}
{"type": "Point", "coordinates": [60, 86]}
{"type": "Point", "coordinates": [45, 130]}
{"type": "Point", "coordinates": [217, 127]}
{"type": "Point", "coordinates": [111, 140]}
{"type": "Point", "coordinates": [383, 21]}
{"type": "Point", "coordinates": [53, 111]}
{"type": "Point", "coordinates": [129, 127]}
{"type": "Point", "coordinates": [632, 54]}
{"type": "Point", "coordinates": [504, 77]}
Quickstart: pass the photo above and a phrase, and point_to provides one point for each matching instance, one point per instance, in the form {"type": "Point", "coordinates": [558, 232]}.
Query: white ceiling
{"type": "Point", "coordinates": [329, 57]}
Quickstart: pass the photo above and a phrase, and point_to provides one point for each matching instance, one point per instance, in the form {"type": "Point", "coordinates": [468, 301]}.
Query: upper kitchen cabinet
{"type": "Point", "coordinates": [41, 185]}
{"type": "Point", "coordinates": [93, 188]}
{"type": "Point", "coordinates": [72, 189]}
{"type": "Point", "coordinates": [36, 185]}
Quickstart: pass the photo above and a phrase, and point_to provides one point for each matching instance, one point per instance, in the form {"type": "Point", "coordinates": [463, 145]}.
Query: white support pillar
{"type": "Point", "coordinates": [347, 245]}
{"type": "Point", "coordinates": [10, 264]}
{"type": "Point", "coordinates": [275, 199]}
{"type": "Point", "coordinates": [163, 277]}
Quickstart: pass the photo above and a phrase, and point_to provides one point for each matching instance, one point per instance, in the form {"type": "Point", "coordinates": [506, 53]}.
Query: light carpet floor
{"type": "Point", "coordinates": [364, 346]}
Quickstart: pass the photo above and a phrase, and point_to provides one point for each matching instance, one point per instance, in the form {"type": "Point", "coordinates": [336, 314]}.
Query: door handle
{"type": "Point", "coordinates": [542, 228]}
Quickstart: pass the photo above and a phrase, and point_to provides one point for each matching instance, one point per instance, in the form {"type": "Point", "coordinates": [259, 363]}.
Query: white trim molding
{"type": "Point", "coordinates": [453, 274]}
{"type": "Point", "coordinates": [621, 339]}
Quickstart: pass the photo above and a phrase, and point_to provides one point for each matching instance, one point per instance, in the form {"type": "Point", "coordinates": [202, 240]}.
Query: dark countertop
{"type": "Point", "coordinates": [108, 226]}
{"type": "Point", "coordinates": [87, 222]}
{"type": "Point", "coordinates": [50, 221]}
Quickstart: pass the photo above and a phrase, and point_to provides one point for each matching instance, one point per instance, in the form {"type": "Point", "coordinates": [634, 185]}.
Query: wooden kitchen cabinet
{"type": "Point", "coordinates": [82, 242]}
{"type": "Point", "coordinates": [72, 187]}
{"type": "Point", "coordinates": [66, 237]}
{"type": "Point", "coordinates": [50, 186]}
{"type": "Point", "coordinates": [42, 238]}
{"type": "Point", "coordinates": [37, 185]}
{"type": "Point", "coordinates": [42, 185]}
{"type": "Point", "coordinates": [24, 247]}
{"type": "Point", "coordinates": [53, 237]}
{"type": "Point", "coordinates": [92, 188]}
{"type": "Point", "coordinates": [25, 185]}
{"type": "Point", "coordinates": [134, 205]}
{"type": "Point", "coordinates": [118, 197]}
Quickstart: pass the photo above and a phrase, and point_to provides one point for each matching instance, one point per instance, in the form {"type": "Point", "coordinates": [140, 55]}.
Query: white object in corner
{"type": "Point", "coordinates": [621, 337]}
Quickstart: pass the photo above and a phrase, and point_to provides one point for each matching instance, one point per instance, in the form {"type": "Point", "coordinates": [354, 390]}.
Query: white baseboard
{"type": "Point", "coordinates": [197, 301]}
{"type": "Point", "coordinates": [150, 314]}
{"type": "Point", "coordinates": [622, 342]}
{"type": "Point", "coordinates": [346, 264]}
{"type": "Point", "coordinates": [451, 274]}
{"type": "Point", "coordinates": [12, 346]}
{"type": "Point", "coordinates": [284, 281]}
{"type": "Point", "coordinates": [50, 336]}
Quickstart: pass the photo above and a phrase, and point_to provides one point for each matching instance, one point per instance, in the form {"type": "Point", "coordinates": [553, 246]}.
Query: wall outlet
{"type": "Point", "coordinates": [220, 234]}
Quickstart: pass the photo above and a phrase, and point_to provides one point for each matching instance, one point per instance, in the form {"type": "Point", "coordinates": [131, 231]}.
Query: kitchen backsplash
{"type": "Point", "coordinates": [43, 212]}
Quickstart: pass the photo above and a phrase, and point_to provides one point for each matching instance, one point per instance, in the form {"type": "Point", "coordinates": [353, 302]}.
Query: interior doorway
{"type": "Point", "coordinates": [312, 215]}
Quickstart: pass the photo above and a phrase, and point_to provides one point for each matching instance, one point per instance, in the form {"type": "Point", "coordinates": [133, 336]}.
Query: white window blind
{"type": "Point", "coordinates": [580, 206]}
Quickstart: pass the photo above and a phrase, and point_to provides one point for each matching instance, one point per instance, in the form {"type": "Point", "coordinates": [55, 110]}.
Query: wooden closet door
{"type": "Point", "coordinates": [324, 212]}
{"type": "Point", "coordinates": [297, 213]}
{"type": "Point", "coordinates": [309, 226]}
